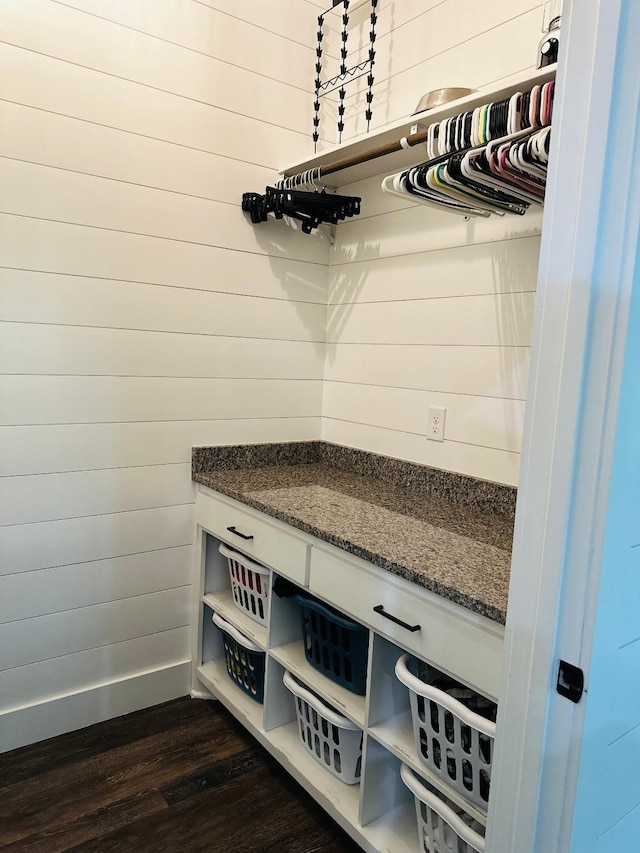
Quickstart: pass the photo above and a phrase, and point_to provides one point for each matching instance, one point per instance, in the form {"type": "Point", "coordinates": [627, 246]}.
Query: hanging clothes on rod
{"type": "Point", "coordinates": [492, 159]}
{"type": "Point", "coordinates": [311, 204]}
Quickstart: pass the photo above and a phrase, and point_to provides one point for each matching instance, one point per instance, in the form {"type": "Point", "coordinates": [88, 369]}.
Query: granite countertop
{"type": "Point", "coordinates": [447, 533]}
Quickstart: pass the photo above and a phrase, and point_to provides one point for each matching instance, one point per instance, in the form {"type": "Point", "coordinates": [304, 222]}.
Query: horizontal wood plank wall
{"type": "Point", "coordinates": [426, 309]}
{"type": "Point", "coordinates": [422, 45]}
{"type": "Point", "coordinates": [140, 314]}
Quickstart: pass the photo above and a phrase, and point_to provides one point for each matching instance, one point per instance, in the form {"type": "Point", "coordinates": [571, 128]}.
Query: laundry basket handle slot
{"type": "Point", "coordinates": [379, 608]}
{"type": "Point", "coordinates": [342, 621]}
{"type": "Point", "coordinates": [476, 721]}
{"type": "Point", "coordinates": [442, 809]}
{"type": "Point", "coordinates": [246, 562]}
{"type": "Point", "coordinates": [237, 636]}
{"type": "Point", "coordinates": [235, 532]}
{"type": "Point", "coordinates": [331, 716]}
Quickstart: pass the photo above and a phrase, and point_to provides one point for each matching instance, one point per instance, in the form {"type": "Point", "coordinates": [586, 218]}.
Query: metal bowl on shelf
{"type": "Point", "coordinates": [438, 97]}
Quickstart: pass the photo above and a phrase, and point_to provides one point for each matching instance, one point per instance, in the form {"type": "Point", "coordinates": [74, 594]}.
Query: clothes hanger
{"type": "Point", "coordinates": [487, 166]}
{"type": "Point", "coordinates": [392, 185]}
{"type": "Point", "coordinates": [492, 159]}
{"type": "Point", "coordinates": [408, 183]}
{"type": "Point", "coordinates": [494, 192]}
{"type": "Point", "coordinates": [439, 179]}
{"type": "Point", "coordinates": [299, 197]}
{"type": "Point", "coordinates": [485, 171]}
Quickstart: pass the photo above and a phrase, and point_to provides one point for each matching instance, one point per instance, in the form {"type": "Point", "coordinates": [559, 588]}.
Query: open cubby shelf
{"type": "Point", "coordinates": [379, 811]}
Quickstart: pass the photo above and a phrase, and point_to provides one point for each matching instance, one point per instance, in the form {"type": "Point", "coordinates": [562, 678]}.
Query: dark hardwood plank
{"type": "Point", "coordinates": [185, 776]}
{"type": "Point", "coordinates": [87, 827]}
{"type": "Point", "coordinates": [55, 753]}
{"type": "Point", "coordinates": [79, 788]}
{"type": "Point", "coordinates": [316, 839]}
{"type": "Point", "coordinates": [219, 774]}
{"type": "Point", "coordinates": [262, 810]}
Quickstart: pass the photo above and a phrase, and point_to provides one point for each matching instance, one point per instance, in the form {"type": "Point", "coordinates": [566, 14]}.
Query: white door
{"type": "Point", "coordinates": [567, 776]}
{"type": "Point", "coordinates": [607, 804]}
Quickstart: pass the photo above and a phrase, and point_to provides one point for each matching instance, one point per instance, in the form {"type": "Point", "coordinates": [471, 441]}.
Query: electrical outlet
{"type": "Point", "coordinates": [435, 431]}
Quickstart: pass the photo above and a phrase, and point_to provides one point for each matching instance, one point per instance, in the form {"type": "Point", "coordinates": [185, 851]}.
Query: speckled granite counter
{"type": "Point", "coordinates": [448, 533]}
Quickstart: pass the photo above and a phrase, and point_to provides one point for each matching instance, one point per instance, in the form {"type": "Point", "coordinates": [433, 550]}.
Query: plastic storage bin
{"type": "Point", "coordinates": [243, 659]}
{"type": "Point", "coordinates": [334, 644]}
{"type": "Point", "coordinates": [442, 826]}
{"type": "Point", "coordinates": [249, 584]}
{"type": "Point", "coordinates": [453, 741]}
{"type": "Point", "coordinates": [331, 738]}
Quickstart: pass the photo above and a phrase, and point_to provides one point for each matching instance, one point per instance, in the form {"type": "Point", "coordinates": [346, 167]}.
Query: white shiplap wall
{"type": "Point", "coordinates": [140, 314]}
{"type": "Point", "coordinates": [422, 45]}
{"type": "Point", "coordinates": [425, 308]}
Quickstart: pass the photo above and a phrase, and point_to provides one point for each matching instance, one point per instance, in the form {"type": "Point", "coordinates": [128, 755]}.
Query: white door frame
{"type": "Point", "coordinates": [590, 228]}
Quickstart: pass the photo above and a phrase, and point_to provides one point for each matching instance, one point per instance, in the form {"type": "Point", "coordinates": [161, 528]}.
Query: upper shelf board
{"type": "Point", "coordinates": [407, 157]}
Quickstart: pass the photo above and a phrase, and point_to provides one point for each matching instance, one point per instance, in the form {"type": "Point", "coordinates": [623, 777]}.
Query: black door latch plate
{"type": "Point", "coordinates": [570, 683]}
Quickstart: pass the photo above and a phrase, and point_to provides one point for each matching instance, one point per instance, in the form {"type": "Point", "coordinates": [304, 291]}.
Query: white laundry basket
{"type": "Point", "coordinates": [331, 738]}
{"type": "Point", "coordinates": [453, 741]}
{"type": "Point", "coordinates": [249, 584]}
{"type": "Point", "coordinates": [442, 826]}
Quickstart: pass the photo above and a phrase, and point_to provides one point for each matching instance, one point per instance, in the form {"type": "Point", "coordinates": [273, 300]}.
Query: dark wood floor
{"type": "Point", "coordinates": [183, 776]}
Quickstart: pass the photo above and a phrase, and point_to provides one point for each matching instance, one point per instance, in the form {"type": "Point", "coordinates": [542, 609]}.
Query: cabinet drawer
{"type": "Point", "coordinates": [465, 645]}
{"type": "Point", "coordinates": [268, 542]}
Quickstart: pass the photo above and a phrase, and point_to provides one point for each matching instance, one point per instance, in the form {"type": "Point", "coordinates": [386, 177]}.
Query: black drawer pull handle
{"type": "Point", "coordinates": [380, 609]}
{"type": "Point", "coordinates": [237, 533]}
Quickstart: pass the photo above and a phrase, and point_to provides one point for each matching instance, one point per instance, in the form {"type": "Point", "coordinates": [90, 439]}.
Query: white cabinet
{"type": "Point", "coordinates": [461, 643]}
{"type": "Point", "coordinates": [379, 812]}
{"type": "Point", "coordinates": [265, 539]}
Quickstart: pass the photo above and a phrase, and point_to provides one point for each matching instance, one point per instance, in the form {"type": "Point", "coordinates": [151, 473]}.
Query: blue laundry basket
{"type": "Point", "coordinates": [334, 644]}
{"type": "Point", "coordinates": [243, 659]}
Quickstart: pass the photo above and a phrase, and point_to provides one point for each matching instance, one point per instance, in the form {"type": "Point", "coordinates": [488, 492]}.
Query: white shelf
{"type": "Point", "coordinates": [343, 799]}
{"type": "Point", "coordinates": [292, 657]}
{"type": "Point", "coordinates": [223, 604]}
{"type": "Point", "coordinates": [397, 736]}
{"type": "Point", "coordinates": [215, 678]}
{"type": "Point", "coordinates": [396, 130]}
{"type": "Point", "coordinates": [396, 831]}
{"type": "Point", "coordinates": [340, 800]}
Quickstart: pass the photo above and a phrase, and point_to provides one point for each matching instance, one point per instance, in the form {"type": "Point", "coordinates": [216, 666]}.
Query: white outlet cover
{"type": "Point", "coordinates": [435, 427]}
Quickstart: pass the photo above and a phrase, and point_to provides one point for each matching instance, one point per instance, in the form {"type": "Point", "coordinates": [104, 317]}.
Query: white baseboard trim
{"type": "Point", "coordinates": [59, 714]}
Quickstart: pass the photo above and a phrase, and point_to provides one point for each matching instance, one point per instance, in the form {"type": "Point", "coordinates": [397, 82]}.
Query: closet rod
{"type": "Point", "coordinates": [373, 153]}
